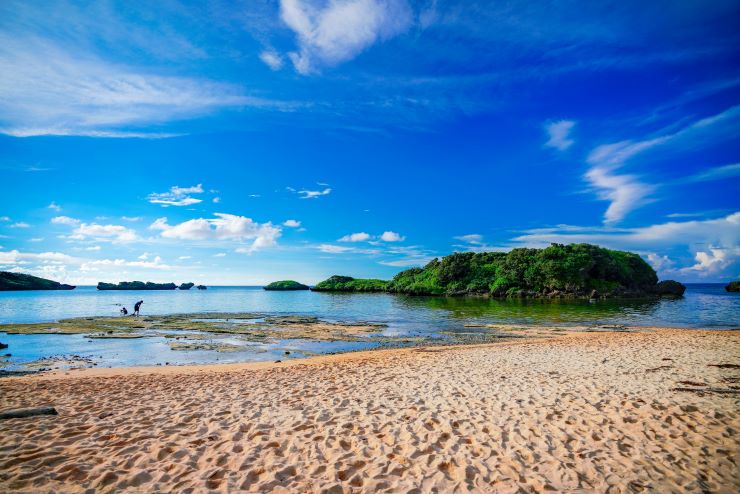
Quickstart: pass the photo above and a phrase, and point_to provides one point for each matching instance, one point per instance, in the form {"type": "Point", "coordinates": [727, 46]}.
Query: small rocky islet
{"type": "Point", "coordinates": [733, 286]}
{"type": "Point", "coordinates": [285, 285]}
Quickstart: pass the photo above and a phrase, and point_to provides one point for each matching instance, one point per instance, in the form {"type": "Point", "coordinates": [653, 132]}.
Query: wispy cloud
{"type": "Point", "coordinates": [340, 30]}
{"type": "Point", "coordinates": [292, 223]}
{"type": "Point", "coordinates": [559, 134]}
{"type": "Point", "coordinates": [716, 173]}
{"type": "Point", "coordinates": [177, 196]}
{"type": "Point", "coordinates": [272, 59]}
{"type": "Point", "coordinates": [46, 91]}
{"type": "Point", "coordinates": [54, 206]}
{"type": "Point", "coordinates": [626, 192]}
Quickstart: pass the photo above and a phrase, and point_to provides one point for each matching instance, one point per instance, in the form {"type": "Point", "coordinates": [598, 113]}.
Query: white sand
{"type": "Point", "coordinates": [584, 412]}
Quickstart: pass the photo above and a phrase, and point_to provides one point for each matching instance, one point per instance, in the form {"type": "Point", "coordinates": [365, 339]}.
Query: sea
{"type": "Point", "coordinates": [705, 306]}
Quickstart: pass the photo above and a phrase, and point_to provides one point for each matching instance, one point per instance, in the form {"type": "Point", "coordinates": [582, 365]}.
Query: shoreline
{"type": "Point", "coordinates": [654, 409]}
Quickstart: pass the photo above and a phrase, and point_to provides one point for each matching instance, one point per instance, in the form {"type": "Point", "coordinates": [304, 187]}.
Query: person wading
{"type": "Point", "coordinates": [137, 306]}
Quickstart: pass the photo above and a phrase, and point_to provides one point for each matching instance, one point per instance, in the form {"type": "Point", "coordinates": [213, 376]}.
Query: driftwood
{"type": "Point", "coordinates": [27, 412]}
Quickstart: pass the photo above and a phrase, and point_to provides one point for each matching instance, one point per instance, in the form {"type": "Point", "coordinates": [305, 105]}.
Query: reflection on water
{"type": "Point", "coordinates": [703, 306]}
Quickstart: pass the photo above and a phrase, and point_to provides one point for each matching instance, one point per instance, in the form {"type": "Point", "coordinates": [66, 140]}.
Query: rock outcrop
{"type": "Point", "coordinates": [186, 286]}
{"type": "Point", "coordinates": [733, 286]}
{"type": "Point", "coordinates": [136, 285]}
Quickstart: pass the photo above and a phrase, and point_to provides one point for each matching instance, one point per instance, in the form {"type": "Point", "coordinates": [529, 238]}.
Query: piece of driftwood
{"type": "Point", "coordinates": [27, 412]}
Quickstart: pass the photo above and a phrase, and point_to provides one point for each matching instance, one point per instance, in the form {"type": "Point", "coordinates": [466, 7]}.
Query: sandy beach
{"type": "Point", "coordinates": [648, 411]}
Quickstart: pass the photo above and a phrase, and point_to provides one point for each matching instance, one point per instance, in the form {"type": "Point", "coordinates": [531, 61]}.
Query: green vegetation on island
{"type": "Point", "coordinates": [349, 284]}
{"type": "Point", "coordinates": [136, 285]}
{"type": "Point", "coordinates": [286, 285]}
{"type": "Point", "coordinates": [733, 286]}
{"type": "Point", "coordinates": [567, 271]}
{"type": "Point", "coordinates": [18, 281]}
{"type": "Point", "coordinates": [186, 286]}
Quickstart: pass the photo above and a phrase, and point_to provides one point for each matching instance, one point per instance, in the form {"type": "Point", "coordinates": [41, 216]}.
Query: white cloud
{"type": "Point", "coordinates": [36, 239]}
{"type": "Point", "coordinates": [713, 260]}
{"type": "Point", "coordinates": [222, 227]}
{"type": "Point", "coordinates": [93, 248]}
{"type": "Point", "coordinates": [216, 200]}
{"type": "Point", "coordinates": [177, 196]}
{"type": "Point", "coordinates": [559, 134]}
{"type": "Point", "coordinates": [272, 59]}
{"type": "Point", "coordinates": [14, 257]}
{"type": "Point", "coordinates": [114, 233]}
{"type": "Point", "coordinates": [340, 30]}
{"type": "Point", "coordinates": [4, 218]}
{"type": "Point", "coordinates": [132, 219]}
{"type": "Point", "coordinates": [356, 237]}
{"type": "Point", "coordinates": [392, 237]}
{"type": "Point", "coordinates": [54, 206]}
{"type": "Point", "coordinates": [144, 256]}
{"type": "Point", "coordinates": [220, 254]}
{"type": "Point", "coordinates": [20, 224]}
{"type": "Point", "coordinates": [311, 194]}
{"type": "Point", "coordinates": [95, 265]}
{"type": "Point", "coordinates": [292, 223]}
{"type": "Point", "coordinates": [65, 220]}
{"type": "Point", "coordinates": [184, 258]}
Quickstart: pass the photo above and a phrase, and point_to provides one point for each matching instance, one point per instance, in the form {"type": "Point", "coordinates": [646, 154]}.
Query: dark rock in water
{"type": "Point", "coordinates": [18, 281]}
{"type": "Point", "coordinates": [27, 412]}
{"type": "Point", "coordinates": [202, 287]}
{"type": "Point", "coordinates": [186, 286]}
{"type": "Point", "coordinates": [136, 285]}
{"type": "Point", "coordinates": [3, 345]}
{"type": "Point", "coordinates": [670, 288]}
{"type": "Point", "coordinates": [285, 285]}
{"type": "Point", "coordinates": [733, 286]}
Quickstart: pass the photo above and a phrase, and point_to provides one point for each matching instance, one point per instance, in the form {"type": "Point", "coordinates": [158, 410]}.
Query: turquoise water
{"type": "Point", "coordinates": [703, 306]}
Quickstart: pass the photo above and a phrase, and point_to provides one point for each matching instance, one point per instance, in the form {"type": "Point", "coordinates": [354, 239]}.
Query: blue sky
{"type": "Point", "coordinates": [230, 142]}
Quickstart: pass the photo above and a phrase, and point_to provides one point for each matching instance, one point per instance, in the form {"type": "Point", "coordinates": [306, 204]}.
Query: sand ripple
{"type": "Point", "coordinates": [585, 412]}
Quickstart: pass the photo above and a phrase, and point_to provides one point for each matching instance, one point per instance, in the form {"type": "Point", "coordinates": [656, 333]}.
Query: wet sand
{"type": "Point", "coordinates": [605, 412]}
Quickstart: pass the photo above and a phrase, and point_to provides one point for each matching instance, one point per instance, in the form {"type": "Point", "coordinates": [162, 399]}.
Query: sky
{"type": "Point", "coordinates": [242, 142]}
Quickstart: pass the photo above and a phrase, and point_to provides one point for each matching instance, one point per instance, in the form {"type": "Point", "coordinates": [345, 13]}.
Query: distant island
{"type": "Point", "coordinates": [18, 281]}
{"type": "Point", "coordinates": [285, 285]}
{"type": "Point", "coordinates": [136, 285]}
{"type": "Point", "coordinates": [186, 286]}
{"type": "Point", "coordinates": [202, 287]}
{"type": "Point", "coordinates": [558, 271]}
{"type": "Point", "coordinates": [733, 286]}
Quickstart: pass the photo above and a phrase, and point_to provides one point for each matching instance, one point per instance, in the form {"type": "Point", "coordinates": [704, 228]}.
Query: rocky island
{"type": "Point", "coordinates": [558, 271]}
{"type": "Point", "coordinates": [186, 286]}
{"type": "Point", "coordinates": [18, 281]}
{"type": "Point", "coordinates": [202, 287]}
{"type": "Point", "coordinates": [136, 285]}
{"type": "Point", "coordinates": [733, 286]}
{"type": "Point", "coordinates": [285, 285]}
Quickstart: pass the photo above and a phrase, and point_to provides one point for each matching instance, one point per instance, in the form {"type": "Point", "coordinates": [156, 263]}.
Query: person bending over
{"type": "Point", "coordinates": [137, 306]}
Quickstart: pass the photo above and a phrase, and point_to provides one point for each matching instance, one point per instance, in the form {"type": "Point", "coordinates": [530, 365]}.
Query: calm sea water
{"type": "Point", "coordinates": [703, 306]}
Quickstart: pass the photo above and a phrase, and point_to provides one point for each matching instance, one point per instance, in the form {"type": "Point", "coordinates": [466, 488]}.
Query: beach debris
{"type": "Point", "coordinates": [656, 369]}
{"type": "Point", "coordinates": [27, 412]}
{"type": "Point", "coordinates": [724, 366]}
{"type": "Point", "coordinates": [702, 391]}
